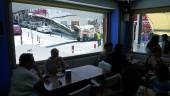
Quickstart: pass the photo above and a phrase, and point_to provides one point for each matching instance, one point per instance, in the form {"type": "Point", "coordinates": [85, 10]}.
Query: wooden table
{"type": "Point", "coordinates": [79, 76]}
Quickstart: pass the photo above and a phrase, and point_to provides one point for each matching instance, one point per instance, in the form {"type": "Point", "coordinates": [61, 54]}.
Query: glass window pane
{"type": "Point", "coordinates": [38, 29]}
{"type": "Point", "coordinates": [147, 25]}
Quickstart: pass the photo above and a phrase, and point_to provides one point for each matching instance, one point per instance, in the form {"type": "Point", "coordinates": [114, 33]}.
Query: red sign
{"type": "Point", "coordinates": [145, 23]}
{"type": "Point", "coordinates": [39, 11]}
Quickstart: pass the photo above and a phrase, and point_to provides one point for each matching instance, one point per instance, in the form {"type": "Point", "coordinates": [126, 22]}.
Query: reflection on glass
{"type": "Point", "coordinates": [146, 25]}
{"type": "Point", "coordinates": [41, 28]}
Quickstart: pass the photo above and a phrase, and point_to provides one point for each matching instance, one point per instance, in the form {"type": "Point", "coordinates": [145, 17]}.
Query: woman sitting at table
{"type": "Point", "coordinates": [51, 79]}
{"type": "Point", "coordinates": [115, 58]}
{"type": "Point", "coordinates": [153, 60]}
{"type": "Point", "coordinates": [58, 61]}
{"type": "Point", "coordinates": [119, 60]}
{"type": "Point", "coordinates": [107, 52]}
{"type": "Point", "coordinates": [25, 82]}
{"type": "Point", "coordinates": [106, 58]}
{"type": "Point", "coordinates": [151, 66]}
{"type": "Point", "coordinates": [154, 42]}
{"type": "Point", "coordinates": [161, 84]}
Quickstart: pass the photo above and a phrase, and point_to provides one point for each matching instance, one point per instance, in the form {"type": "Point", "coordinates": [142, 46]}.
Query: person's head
{"type": "Point", "coordinates": [165, 37]}
{"type": "Point", "coordinates": [54, 52]}
{"type": "Point", "coordinates": [156, 51]}
{"type": "Point", "coordinates": [155, 39]}
{"type": "Point", "coordinates": [26, 60]}
{"type": "Point", "coordinates": [108, 47]}
{"type": "Point", "coordinates": [118, 48]}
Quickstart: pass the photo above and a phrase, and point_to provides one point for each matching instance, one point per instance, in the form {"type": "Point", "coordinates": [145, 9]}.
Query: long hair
{"type": "Point", "coordinates": [153, 42]}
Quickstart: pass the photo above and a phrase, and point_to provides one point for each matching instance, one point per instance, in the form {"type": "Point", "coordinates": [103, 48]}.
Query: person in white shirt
{"type": "Point", "coordinates": [23, 81]}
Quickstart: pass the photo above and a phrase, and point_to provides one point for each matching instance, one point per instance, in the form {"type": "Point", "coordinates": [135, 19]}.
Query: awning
{"type": "Point", "coordinates": [160, 22]}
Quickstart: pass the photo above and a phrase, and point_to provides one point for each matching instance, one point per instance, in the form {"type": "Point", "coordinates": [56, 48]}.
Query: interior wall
{"type": "Point", "coordinates": [100, 6]}
{"type": "Point", "coordinates": [5, 58]}
{"type": "Point", "coordinates": [145, 4]}
{"type": "Point", "coordinates": [110, 4]}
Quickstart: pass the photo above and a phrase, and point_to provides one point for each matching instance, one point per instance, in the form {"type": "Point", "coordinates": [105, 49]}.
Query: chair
{"type": "Point", "coordinates": [111, 85]}
{"type": "Point", "coordinates": [85, 91]}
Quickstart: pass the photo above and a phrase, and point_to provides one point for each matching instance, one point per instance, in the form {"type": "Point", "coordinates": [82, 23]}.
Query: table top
{"type": "Point", "coordinates": [77, 74]}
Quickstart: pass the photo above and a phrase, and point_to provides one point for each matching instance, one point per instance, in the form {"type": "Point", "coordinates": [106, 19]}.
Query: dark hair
{"type": "Point", "coordinates": [155, 39]}
{"type": "Point", "coordinates": [25, 58]}
{"type": "Point", "coordinates": [54, 52]}
{"type": "Point", "coordinates": [165, 37]}
{"type": "Point", "coordinates": [108, 46]}
{"type": "Point", "coordinates": [153, 42]}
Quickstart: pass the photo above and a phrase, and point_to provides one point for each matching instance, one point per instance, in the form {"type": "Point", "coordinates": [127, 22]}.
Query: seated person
{"type": "Point", "coordinates": [58, 61]}
{"type": "Point", "coordinates": [119, 59]}
{"type": "Point", "coordinates": [151, 65]}
{"type": "Point", "coordinates": [116, 58]}
{"type": "Point", "coordinates": [165, 44]}
{"type": "Point", "coordinates": [154, 42]}
{"type": "Point", "coordinates": [105, 58]}
{"type": "Point", "coordinates": [107, 52]}
{"type": "Point", "coordinates": [51, 79]}
{"type": "Point", "coordinates": [153, 60]}
{"type": "Point", "coordinates": [23, 81]}
{"type": "Point", "coordinates": [161, 84]}
{"type": "Point", "coordinates": [130, 80]}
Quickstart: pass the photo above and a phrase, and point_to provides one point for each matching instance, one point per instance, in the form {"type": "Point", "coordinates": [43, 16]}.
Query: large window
{"type": "Point", "coordinates": [37, 29]}
{"type": "Point", "coordinates": [146, 25]}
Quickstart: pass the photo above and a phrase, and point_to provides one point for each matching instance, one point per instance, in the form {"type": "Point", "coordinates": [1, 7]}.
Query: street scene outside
{"type": "Point", "coordinates": [38, 29]}
{"type": "Point", "coordinates": [147, 25]}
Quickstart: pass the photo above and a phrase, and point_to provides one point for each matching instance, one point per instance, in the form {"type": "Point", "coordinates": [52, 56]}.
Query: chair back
{"type": "Point", "coordinates": [85, 91]}
{"type": "Point", "coordinates": [112, 81]}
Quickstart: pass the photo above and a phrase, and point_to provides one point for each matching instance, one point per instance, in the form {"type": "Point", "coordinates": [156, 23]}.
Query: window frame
{"type": "Point", "coordinates": [145, 11]}
{"type": "Point", "coordinates": [52, 3]}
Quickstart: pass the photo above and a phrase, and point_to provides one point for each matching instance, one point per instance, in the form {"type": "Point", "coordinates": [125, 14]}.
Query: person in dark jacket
{"type": "Point", "coordinates": [161, 84]}
{"type": "Point", "coordinates": [130, 80]}
{"type": "Point", "coordinates": [119, 59]}
{"type": "Point", "coordinates": [116, 58]}
{"type": "Point", "coordinates": [106, 55]}
{"type": "Point", "coordinates": [165, 44]}
{"type": "Point", "coordinates": [154, 42]}
{"type": "Point", "coordinates": [58, 61]}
